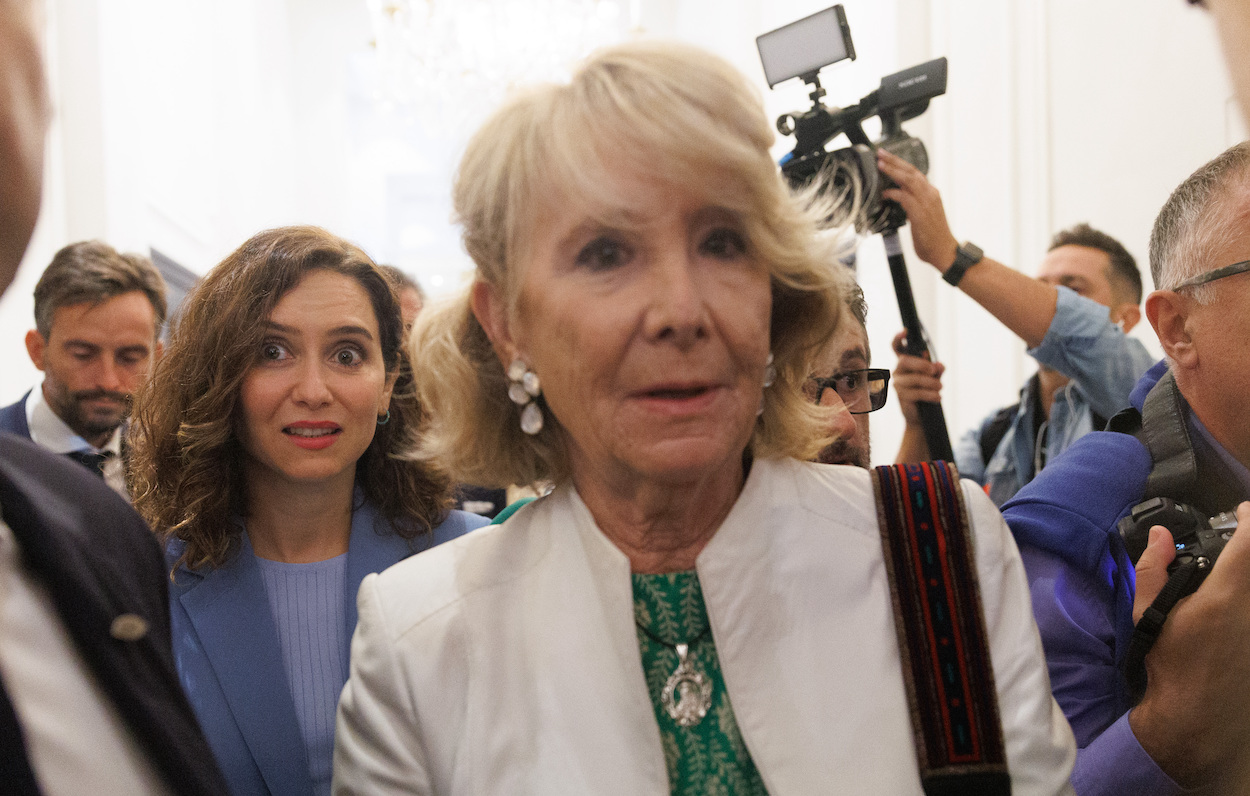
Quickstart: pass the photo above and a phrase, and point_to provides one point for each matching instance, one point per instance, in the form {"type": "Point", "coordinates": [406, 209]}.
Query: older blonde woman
{"type": "Point", "coordinates": [693, 609]}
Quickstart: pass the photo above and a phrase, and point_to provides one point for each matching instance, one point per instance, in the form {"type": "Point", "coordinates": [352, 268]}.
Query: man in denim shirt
{"type": "Point", "coordinates": [1073, 317]}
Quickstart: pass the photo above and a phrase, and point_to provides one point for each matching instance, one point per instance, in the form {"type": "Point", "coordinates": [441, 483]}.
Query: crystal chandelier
{"type": "Point", "coordinates": [451, 61]}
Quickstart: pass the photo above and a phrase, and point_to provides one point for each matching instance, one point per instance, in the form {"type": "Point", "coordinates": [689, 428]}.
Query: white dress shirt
{"type": "Point", "coordinates": [75, 740]}
{"type": "Point", "coordinates": [49, 431]}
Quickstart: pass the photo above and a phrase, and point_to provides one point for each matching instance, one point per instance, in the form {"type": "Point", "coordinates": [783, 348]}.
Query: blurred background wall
{"type": "Point", "coordinates": [185, 127]}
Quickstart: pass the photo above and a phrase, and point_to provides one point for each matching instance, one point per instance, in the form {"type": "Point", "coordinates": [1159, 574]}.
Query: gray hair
{"type": "Point", "coordinates": [1193, 223]}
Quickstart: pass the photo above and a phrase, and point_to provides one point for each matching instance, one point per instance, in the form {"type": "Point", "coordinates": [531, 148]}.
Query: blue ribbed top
{"type": "Point", "coordinates": [310, 611]}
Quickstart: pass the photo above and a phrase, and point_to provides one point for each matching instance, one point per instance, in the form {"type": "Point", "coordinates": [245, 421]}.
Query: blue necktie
{"type": "Point", "coordinates": [91, 460]}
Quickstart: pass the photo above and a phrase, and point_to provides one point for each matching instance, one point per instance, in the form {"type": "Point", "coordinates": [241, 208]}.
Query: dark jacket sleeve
{"type": "Point", "coordinates": [107, 578]}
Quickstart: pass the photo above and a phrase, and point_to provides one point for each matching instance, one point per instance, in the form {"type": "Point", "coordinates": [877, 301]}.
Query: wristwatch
{"type": "Point", "coordinates": [966, 256]}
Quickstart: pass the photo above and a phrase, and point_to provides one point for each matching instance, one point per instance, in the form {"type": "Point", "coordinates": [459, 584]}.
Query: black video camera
{"type": "Point", "coordinates": [1198, 538]}
{"type": "Point", "coordinates": [802, 49]}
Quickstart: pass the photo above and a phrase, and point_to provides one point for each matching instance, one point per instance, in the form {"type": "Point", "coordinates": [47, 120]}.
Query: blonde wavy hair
{"type": "Point", "coordinates": [665, 111]}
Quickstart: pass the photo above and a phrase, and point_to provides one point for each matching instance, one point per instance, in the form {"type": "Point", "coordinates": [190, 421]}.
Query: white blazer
{"type": "Point", "coordinates": [506, 662]}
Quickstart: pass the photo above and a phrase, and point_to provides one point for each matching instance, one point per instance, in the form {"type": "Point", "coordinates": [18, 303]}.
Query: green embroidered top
{"type": "Point", "coordinates": [710, 757]}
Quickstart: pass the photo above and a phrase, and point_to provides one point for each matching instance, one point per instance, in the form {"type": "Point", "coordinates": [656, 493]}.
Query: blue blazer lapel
{"type": "Point", "coordinates": [372, 547]}
{"type": "Point", "coordinates": [229, 610]}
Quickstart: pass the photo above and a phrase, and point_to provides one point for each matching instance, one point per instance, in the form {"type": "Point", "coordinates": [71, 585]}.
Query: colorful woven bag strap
{"type": "Point", "coordinates": [927, 542]}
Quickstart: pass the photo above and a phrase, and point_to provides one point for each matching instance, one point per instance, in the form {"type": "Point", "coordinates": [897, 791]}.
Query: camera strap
{"type": "Point", "coordinates": [1166, 436]}
{"type": "Point", "coordinates": [928, 550]}
{"type": "Point", "coordinates": [1176, 473]}
{"type": "Point", "coordinates": [1181, 583]}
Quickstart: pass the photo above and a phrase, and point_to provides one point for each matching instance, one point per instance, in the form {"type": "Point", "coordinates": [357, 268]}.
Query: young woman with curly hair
{"type": "Point", "coordinates": [269, 452]}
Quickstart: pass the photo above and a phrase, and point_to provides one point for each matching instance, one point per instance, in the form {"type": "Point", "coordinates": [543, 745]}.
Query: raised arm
{"type": "Point", "coordinates": [1023, 304]}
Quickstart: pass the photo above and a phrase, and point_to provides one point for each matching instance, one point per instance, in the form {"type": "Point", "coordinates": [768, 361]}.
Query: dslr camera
{"type": "Point", "coordinates": [1198, 538]}
{"type": "Point", "coordinates": [802, 49]}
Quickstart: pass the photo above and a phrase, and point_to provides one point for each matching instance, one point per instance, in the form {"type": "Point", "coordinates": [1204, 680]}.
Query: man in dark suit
{"type": "Point", "coordinates": [97, 316]}
{"type": "Point", "coordinates": [89, 698]}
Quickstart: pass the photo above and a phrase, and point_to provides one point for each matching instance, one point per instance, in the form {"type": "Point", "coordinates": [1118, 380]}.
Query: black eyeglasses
{"type": "Point", "coordinates": [861, 391]}
{"type": "Point", "coordinates": [1218, 273]}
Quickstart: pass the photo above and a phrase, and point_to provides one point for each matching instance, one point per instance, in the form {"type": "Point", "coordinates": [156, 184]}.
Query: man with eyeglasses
{"type": "Point", "coordinates": [1186, 438]}
{"type": "Point", "coordinates": [1074, 317]}
{"type": "Point", "coordinates": [843, 378]}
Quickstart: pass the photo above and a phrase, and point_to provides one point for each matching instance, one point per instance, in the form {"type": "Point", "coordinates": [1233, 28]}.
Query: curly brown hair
{"type": "Point", "coordinates": [186, 456]}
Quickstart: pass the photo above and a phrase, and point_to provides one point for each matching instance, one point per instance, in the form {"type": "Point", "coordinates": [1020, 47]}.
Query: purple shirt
{"type": "Point", "coordinates": [1082, 584]}
{"type": "Point", "coordinates": [1076, 619]}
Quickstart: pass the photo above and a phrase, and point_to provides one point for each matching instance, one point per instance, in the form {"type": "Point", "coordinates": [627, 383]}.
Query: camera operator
{"type": "Point", "coordinates": [1073, 317]}
{"type": "Point", "coordinates": [1187, 440]}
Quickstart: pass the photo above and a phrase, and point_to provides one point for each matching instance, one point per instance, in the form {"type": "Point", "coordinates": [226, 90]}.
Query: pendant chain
{"type": "Point", "coordinates": [702, 634]}
{"type": "Point", "coordinates": [687, 693]}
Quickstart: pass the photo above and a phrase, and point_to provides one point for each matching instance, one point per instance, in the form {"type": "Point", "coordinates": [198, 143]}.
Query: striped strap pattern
{"type": "Point", "coordinates": [926, 538]}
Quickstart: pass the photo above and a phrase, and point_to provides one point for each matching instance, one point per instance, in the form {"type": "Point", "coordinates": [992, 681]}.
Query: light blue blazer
{"type": "Point", "coordinates": [230, 661]}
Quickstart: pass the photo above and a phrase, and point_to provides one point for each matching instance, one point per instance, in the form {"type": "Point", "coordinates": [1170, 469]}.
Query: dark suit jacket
{"type": "Point", "coordinates": [13, 418]}
{"type": "Point", "coordinates": [99, 560]}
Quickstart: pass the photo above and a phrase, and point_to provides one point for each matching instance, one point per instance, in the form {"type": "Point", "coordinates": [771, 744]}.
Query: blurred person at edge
{"type": "Point", "coordinates": [411, 296]}
{"type": "Point", "coordinates": [97, 317]}
{"type": "Point", "coordinates": [1232, 22]}
{"type": "Point", "coordinates": [649, 302]}
{"type": "Point", "coordinates": [842, 379]}
{"type": "Point", "coordinates": [474, 499]}
{"type": "Point", "coordinates": [89, 698]}
{"type": "Point", "coordinates": [270, 453]}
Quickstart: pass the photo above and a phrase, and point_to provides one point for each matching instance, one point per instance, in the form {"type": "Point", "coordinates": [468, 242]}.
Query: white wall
{"type": "Point", "coordinates": [1059, 112]}
{"type": "Point", "coordinates": [189, 126]}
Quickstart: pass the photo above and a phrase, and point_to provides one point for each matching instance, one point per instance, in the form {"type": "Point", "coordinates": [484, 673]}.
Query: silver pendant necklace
{"type": "Point", "coordinates": [687, 694]}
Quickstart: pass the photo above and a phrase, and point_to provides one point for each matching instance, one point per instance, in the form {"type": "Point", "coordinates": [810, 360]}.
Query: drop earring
{"type": "Point", "coordinates": [523, 388]}
{"type": "Point", "coordinates": [770, 376]}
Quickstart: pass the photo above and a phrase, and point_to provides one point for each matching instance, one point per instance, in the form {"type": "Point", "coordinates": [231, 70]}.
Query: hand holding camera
{"type": "Point", "coordinates": [1193, 718]}
{"type": "Point", "coordinates": [1198, 539]}
{"type": "Point", "coordinates": [931, 235]}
